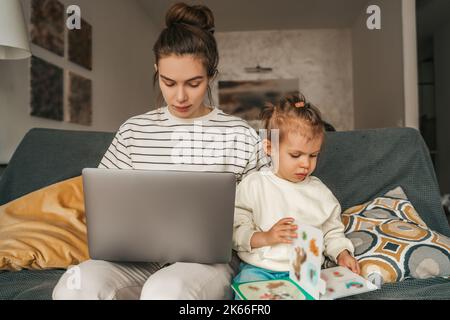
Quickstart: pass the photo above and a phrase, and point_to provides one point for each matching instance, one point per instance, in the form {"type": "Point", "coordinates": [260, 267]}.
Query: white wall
{"type": "Point", "coordinates": [320, 59]}
{"type": "Point", "coordinates": [123, 37]}
{"type": "Point", "coordinates": [378, 73]}
{"type": "Point", "coordinates": [410, 64]}
{"type": "Point", "coordinates": [442, 82]}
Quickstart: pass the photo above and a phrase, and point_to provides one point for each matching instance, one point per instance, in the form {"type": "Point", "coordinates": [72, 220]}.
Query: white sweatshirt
{"type": "Point", "coordinates": [262, 199]}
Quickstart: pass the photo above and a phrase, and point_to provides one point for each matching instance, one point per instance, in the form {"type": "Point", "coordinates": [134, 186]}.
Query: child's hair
{"type": "Point", "coordinates": [293, 114]}
{"type": "Point", "coordinates": [189, 31]}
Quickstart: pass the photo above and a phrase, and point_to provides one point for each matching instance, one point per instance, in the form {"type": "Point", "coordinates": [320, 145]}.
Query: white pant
{"type": "Point", "coordinates": [96, 279]}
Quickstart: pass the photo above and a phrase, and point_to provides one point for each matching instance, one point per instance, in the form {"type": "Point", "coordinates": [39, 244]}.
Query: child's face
{"type": "Point", "coordinates": [297, 156]}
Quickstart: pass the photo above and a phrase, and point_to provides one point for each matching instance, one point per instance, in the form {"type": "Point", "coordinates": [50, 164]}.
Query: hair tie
{"type": "Point", "coordinates": [300, 104]}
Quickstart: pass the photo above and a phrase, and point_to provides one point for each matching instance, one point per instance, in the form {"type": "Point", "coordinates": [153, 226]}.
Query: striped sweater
{"type": "Point", "coordinates": [157, 140]}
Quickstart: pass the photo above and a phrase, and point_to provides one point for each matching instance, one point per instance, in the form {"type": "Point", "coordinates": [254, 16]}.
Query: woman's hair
{"type": "Point", "coordinates": [293, 114]}
{"type": "Point", "coordinates": [189, 31]}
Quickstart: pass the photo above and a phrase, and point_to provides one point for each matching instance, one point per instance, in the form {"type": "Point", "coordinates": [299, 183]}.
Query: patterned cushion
{"type": "Point", "coordinates": [392, 243]}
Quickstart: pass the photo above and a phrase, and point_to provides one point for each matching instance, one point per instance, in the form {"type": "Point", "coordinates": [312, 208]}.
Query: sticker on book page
{"type": "Point", "coordinates": [306, 259]}
{"type": "Point", "coordinates": [271, 290]}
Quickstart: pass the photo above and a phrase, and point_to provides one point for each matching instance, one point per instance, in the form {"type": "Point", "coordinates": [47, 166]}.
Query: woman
{"type": "Point", "coordinates": [185, 135]}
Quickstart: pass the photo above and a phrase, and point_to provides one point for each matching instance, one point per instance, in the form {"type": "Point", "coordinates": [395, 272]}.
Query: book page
{"type": "Point", "coordinates": [342, 282]}
{"type": "Point", "coordinates": [282, 289]}
{"type": "Point", "coordinates": [306, 259]}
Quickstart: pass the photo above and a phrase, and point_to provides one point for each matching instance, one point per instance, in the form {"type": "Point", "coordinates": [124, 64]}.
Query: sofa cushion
{"type": "Point", "coordinates": [392, 240]}
{"type": "Point", "coordinates": [28, 284]}
{"type": "Point", "coordinates": [410, 289]}
{"type": "Point", "coordinates": [47, 156]}
{"type": "Point", "coordinates": [44, 229]}
{"type": "Point", "coordinates": [360, 165]}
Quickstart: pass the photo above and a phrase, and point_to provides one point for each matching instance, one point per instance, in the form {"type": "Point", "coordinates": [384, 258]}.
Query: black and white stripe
{"type": "Point", "coordinates": [215, 143]}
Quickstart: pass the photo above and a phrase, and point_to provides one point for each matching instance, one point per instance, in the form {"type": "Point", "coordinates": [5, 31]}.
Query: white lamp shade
{"type": "Point", "coordinates": [13, 31]}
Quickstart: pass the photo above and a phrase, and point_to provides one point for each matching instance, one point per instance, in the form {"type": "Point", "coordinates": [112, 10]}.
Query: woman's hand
{"type": "Point", "coordinates": [345, 259]}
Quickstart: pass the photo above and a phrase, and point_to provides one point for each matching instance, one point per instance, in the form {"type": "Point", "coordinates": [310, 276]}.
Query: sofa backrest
{"type": "Point", "coordinates": [360, 165]}
{"type": "Point", "coordinates": [356, 165]}
{"type": "Point", "coordinates": [47, 156]}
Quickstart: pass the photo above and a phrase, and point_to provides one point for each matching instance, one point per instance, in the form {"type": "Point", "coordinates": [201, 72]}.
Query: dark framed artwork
{"type": "Point", "coordinates": [246, 99]}
{"type": "Point", "coordinates": [47, 25]}
{"type": "Point", "coordinates": [80, 45]}
{"type": "Point", "coordinates": [80, 99]}
{"type": "Point", "coordinates": [47, 85]}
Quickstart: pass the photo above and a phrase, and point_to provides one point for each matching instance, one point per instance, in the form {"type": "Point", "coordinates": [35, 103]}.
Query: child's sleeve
{"type": "Point", "coordinates": [243, 227]}
{"type": "Point", "coordinates": [335, 240]}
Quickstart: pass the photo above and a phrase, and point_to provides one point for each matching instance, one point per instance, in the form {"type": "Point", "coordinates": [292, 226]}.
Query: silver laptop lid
{"type": "Point", "coordinates": [159, 216]}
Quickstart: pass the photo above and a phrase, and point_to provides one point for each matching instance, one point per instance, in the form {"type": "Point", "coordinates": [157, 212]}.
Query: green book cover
{"type": "Point", "coordinates": [281, 289]}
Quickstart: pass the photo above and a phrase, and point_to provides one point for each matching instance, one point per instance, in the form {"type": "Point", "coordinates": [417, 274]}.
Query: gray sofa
{"type": "Point", "coordinates": [356, 165]}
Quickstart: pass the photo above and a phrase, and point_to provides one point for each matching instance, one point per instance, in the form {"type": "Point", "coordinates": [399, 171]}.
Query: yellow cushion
{"type": "Point", "coordinates": [44, 229]}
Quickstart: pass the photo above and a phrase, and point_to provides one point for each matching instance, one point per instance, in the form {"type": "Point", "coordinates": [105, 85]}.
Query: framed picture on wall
{"type": "Point", "coordinates": [47, 85]}
{"type": "Point", "coordinates": [80, 99]}
{"type": "Point", "coordinates": [47, 25]}
{"type": "Point", "coordinates": [80, 45]}
{"type": "Point", "coordinates": [246, 99]}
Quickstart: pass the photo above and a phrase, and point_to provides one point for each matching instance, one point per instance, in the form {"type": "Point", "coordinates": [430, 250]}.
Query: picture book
{"type": "Point", "coordinates": [306, 280]}
{"type": "Point", "coordinates": [282, 289]}
{"type": "Point", "coordinates": [342, 282]}
{"type": "Point", "coordinates": [306, 260]}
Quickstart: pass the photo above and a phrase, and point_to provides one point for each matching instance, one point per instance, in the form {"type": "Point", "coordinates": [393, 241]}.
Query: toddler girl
{"type": "Point", "coordinates": [268, 202]}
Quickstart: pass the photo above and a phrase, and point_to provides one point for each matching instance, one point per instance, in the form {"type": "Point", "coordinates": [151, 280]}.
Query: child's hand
{"type": "Point", "coordinates": [281, 232]}
{"type": "Point", "coordinates": [345, 259]}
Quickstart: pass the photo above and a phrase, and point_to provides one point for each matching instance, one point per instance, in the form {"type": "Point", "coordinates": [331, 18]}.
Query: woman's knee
{"type": "Point", "coordinates": [158, 287]}
{"type": "Point", "coordinates": [189, 281]}
{"type": "Point", "coordinates": [83, 282]}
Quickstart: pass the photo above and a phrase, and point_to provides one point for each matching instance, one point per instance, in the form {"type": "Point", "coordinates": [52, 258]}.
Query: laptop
{"type": "Point", "coordinates": [159, 216]}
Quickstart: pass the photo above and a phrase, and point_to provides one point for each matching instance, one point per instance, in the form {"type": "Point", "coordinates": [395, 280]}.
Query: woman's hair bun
{"type": "Point", "coordinates": [196, 15]}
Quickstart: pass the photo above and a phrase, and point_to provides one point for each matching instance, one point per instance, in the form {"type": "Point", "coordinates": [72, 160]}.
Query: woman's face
{"type": "Point", "coordinates": [184, 83]}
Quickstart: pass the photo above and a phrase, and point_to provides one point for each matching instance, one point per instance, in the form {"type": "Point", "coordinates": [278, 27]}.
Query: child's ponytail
{"type": "Point", "coordinates": [290, 113]}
